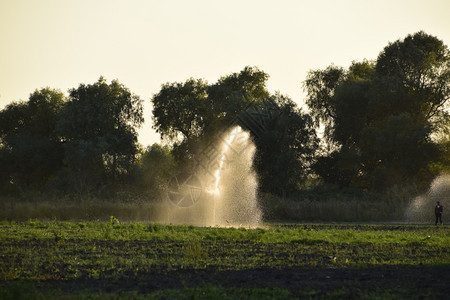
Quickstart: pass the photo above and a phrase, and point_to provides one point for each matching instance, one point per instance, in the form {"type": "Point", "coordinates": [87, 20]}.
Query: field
{"type": "Point", "coordinates": [44, 259]}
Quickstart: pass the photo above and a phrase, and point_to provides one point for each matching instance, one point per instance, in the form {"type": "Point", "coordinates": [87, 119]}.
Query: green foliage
{"type": "Point", "coordinates": [113, 220]}
{"type": "Point", "coordinates": [379, 117]}
{"type": "Point", "coordinates": [98, 127]}
{"type": "Point", "coordinates": [441, 137]}
{"type": "Point", "coordinates": [234, 93]}
{"type": "Point", "coordinates": [193, 113]}
{"type": "Point", "coordinates": [190, 113]}
{"type": "Point", "coordinates": [88, 139]}
{"type": "Point", "coordinates": [157, 166]}
{"type": "Point", "coordinates": [179, 108]}
{"type": "Point", "coordinates": [385, 124]}
{"type": "Point", "coordinates": [31, 152]}
{"type": "Point", "coordinates": [286, 147]}
{"type": "Point", "coordinates": [320, 86]}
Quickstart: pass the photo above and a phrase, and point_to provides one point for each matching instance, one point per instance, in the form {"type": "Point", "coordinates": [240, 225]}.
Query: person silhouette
{"type": "Point", "coordinates": [438, 210]}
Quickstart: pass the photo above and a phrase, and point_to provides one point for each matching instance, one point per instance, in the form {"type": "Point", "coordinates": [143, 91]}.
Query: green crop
{"type": "Point", "coordinates": [38, 251]}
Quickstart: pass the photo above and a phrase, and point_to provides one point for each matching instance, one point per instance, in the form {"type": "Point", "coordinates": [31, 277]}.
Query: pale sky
{"type": "Point", "coordinates": [143, 44]}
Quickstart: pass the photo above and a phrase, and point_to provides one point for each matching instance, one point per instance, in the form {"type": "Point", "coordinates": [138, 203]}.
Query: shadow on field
{"type": "Point", "coordinates": [414, 281]}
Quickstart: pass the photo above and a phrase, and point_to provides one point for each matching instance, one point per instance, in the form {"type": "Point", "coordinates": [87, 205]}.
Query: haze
{"type": "Point", "coordinates": [144, 44]}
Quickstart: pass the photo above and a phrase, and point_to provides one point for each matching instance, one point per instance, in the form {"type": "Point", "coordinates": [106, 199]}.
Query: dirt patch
{"type": "Point", "coordinates": [417, 279]}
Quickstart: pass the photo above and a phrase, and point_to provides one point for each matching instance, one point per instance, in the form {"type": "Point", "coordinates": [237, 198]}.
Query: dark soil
{"type": "Point", "coordinates": [414, 279]}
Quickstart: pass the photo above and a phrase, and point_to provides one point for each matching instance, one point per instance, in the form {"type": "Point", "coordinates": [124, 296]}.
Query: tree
{"type": "Point", "coordinates": [12, 120]}
{"type": "Point", "coordinates": [157, 166]}
{"type": "Point", "coordinates": [30, 147]}
{"type": "Point", "coordinates": [338, 100]}
{"type": "Point", "coordinates": [98, 128]}
{"type": "Point", "coordinates": [380, 116]}
{"type": "Point", "coordinates": [189, 114]}
{"type": "Point", "coordinates": [441, 137]}
{"type": "Point", "coordinates": [234, 93]}
{"type": "Point", "coordinates": [397, 151]}
{"type": "Point", "coordinates": [419, 69]}
{"type": "Point", "coordinates": [285, 148]}
{"type": "Point", "coordinates": [193, 113]}
{"type": "Point", "coordinates": [179, 108]}
{"type": "Point", "coordinates": [320, 86]}
{"type": "Point", "coordinates": [410, 88]}
{"type": "Point", "coordinates": [179, 112]}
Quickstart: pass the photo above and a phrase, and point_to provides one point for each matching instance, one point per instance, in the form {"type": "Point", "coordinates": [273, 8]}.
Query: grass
{"type": "Point", "coordinates": [67, 208]}
{"type": "Point", "coordinates": [333, 206]}
{"type": "Point", "coordinates": [307, 206]}
{"type": "Point", "coordinates": [56, 259]}
{"type": "Point", "coordinates": [294, 210]}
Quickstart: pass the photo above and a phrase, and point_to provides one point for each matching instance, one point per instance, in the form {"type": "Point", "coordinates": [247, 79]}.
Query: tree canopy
{"type": "Point", "coordinates": [30, 148]}
{"type": "Point", "coordinates": [192, 113]}
{"type": "Point", "coordinates": [285, 148]}
{"type": "Point", "coordinates": [98, 127]}
{"type": "Point", "coordinates": [379, 116]}
{"type": "Point", "coordinates": [385, 122]}
{"type": "Point", "coordinates": [77, 142]}
{"type": "Point", "coordinates": [190, 109]}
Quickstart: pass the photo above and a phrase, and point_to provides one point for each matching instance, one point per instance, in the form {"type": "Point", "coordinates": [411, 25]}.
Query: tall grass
{"type": "Point", "coordinates": [307, 206]}
{"type": "Point", "coordinates": [69, 207]}
{"type": "Point", "coordinates": [339, 206]}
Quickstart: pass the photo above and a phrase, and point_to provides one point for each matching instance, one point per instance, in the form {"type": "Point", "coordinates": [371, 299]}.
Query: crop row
{"type": "Point", "coordinates": [63, 251]}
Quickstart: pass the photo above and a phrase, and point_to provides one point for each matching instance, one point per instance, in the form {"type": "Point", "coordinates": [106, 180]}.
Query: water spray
{"type": "Point", "coordinates": [228, 181]}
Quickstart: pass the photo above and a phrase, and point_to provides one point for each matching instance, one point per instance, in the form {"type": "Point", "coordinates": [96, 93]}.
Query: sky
{"type": "Point", "coordinates": [144, 44]}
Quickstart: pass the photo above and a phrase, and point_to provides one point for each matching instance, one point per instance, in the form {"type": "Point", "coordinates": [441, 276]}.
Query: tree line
{"type": "Point", "coordinates": [371, 126]}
